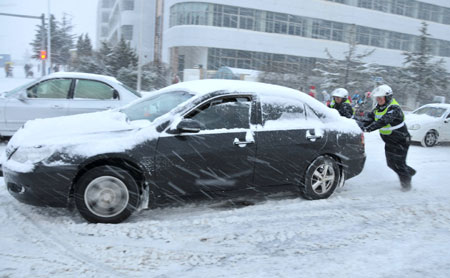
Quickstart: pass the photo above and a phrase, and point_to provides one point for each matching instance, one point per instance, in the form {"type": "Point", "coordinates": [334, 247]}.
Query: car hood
{"type": "Point", "coordinates": [412, 119]}
{"type": "Point", "coordinates": [91, 133]}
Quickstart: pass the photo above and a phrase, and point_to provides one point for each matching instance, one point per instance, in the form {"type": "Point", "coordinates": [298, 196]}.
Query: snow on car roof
{"type": "Point", "coordinates": [83, 75]}
{"type": "Point", "coordinates": [206, 86]}
{"type": "Point", "coordinates": [440, 105]}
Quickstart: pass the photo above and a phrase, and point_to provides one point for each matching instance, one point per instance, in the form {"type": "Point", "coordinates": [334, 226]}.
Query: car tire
{"type": "Point", "coordinates": [321, 179]}
{"type": "Point", "coordinates": [106, 194]}
{"type": "Point", "coordinates": [430, 139]}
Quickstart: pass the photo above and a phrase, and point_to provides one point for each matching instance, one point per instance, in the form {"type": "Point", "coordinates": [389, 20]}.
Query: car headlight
{"type": "Point", "coordinates": [414, 127]}
{"type": "Point", "coordinates": [31, 154]}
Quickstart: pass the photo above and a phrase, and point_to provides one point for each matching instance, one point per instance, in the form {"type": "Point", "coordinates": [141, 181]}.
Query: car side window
{"type": "Point", "coordinates": [276, 110]}
{"type": "Point", "coordinates": [224, 113]}
{"type": "Point", "coordinates": [54, 88]}
{"type": "Point", "coordinates": [91, 89]}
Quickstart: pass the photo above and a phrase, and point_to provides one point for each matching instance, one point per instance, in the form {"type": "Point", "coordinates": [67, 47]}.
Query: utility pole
{"type": "Point", "coordinates": [139, 69]}
{"type": "Point", "coordinates": [49, 50]}
{"type": "Point", "coordinates": [43, 44]}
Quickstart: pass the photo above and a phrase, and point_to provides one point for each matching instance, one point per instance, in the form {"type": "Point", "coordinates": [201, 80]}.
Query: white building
{"type": "Point", "coordinates": [252, 34]}
{"type": "Point", "coordinates": [132, 20]}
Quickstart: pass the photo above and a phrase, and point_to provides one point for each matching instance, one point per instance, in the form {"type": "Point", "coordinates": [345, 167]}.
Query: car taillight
{"type": "Point", "coordinates": [362, 139]}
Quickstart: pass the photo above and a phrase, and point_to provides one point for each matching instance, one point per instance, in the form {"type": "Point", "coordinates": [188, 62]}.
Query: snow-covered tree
{"type": "Point", "coordinates": [122, 56]}
{"type": "Point", "coordinates": [423, 76]}
{"type": "Point", "coordinates": [351, 73]}
{"type": "Point", "coordinates": [61, 40]}
{"type": "Point", "coordinates": [84, 46]}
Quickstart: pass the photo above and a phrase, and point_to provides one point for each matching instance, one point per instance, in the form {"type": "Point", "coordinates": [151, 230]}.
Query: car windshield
{"type": "Point", "coordinates": [131, 90]}
{"type": "Point", "coordinates": [430, 111]}
{"type": "Point", "coordinates": [155, 106]}
{"type": "Point", "coordinates": [18, 89]}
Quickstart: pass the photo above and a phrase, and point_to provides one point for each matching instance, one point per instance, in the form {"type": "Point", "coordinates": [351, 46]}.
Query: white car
{"type": "Point", "coordinates": [430, 124]}
{"type": "Point", "coordinates": [61, 94]}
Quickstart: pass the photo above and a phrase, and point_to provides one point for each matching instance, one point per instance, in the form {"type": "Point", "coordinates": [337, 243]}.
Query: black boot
{"type": "Point", "coordinates": [405, 183]}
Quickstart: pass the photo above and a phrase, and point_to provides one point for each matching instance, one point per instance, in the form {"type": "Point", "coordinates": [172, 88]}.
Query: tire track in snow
{"type": "Point", "coordinates": [50, 239]}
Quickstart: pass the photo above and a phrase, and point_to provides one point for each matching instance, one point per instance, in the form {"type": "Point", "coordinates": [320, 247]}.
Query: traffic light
{"type": "Point", "coordinates": [43, 54]}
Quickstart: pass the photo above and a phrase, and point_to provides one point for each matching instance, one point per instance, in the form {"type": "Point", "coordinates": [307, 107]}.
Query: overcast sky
{"type": "Point", "coordinates": [17, 33]}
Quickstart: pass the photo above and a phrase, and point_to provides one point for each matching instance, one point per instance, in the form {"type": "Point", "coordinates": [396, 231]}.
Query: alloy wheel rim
{"type": "Point", "coordinates": [430, 139]}
{"type": "Point", "coordinates": [106, 196]}
{"type": "Point", "coordinates": [323, 178]}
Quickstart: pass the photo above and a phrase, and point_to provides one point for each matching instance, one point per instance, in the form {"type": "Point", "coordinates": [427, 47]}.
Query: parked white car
{"type": "Point", "coordinates": [430, 124]}
{"type": "Point", "coordinates": [61, 94]}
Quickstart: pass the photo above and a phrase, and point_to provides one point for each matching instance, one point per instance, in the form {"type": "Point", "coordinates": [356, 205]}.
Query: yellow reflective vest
{"type": "Point", "coordinates": [387, 129]}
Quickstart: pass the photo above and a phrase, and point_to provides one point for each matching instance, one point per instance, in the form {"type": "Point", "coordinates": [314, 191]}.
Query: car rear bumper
{"type": "Point", "coordinates": [44, 186]}
{"type": "Point", "coordinates": [353, 167]}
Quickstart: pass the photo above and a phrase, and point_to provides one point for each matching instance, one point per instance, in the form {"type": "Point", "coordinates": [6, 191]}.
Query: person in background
{"type": "Point", "coordinates": [326, 97]}
{"type": "Point", "coordinates": [389, 119]}
{"type": "Point", "coordinates": [312, 91]}
{"type": "Point", "coordinates": [341, 103]}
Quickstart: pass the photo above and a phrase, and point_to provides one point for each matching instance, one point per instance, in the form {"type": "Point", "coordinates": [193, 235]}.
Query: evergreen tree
{"type": "Point", "coordinates": [61, 40]}
{"type": "Point", "coordinates": [122, 56]}
{"type": "Point", "coordinates": [422, 76]}
{"type": "Point", "coordinates": [155, 75]}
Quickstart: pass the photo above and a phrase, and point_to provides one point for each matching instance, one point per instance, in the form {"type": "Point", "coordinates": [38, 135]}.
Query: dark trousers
{"type": "Point", "coordinates": [396, 160]}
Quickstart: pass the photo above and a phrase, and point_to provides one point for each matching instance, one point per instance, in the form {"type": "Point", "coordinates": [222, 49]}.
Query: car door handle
{"type": "Point", "coordinates": [312, 137]}
{"type": "Point", "coordinates": [239, 142]}
{"type": "Point", "coordinates": [57, 107]}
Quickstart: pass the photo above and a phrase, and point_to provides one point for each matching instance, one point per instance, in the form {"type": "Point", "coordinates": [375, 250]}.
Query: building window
{"type": "Point", "coordinates": [379, 5]}
{"type": "Point", "coordinates": [444, 48]}
{"type": "Point", "coordinates": [104, 31]}
{"type": "Point", "coordinates": [328, 30]}
{"type": "Point", "coordinates": [230, 16]}
{"type": "Point", "coordinates": [399, 41]}
{"type": "Point", "coordinates": [446, 16]}
{"type": "Point", "coordinates": [429, 12]}
{"type": "Point", "coordinates": [127, 32]}
{"type": "Point", "coordinates": [403, 7]}
{"type": "Point", "coordinates": [247, 19]}
{"type": "Point", "coordinates": [105, 17]}
{"type": "Point", "coordinates": [127, 5]}
{"type": "Point", "coordinates": [107, 4]}
{"type": "Point", "coordinates": [218, 57]}
{"type": "Point", "coordinates": [296, 26]}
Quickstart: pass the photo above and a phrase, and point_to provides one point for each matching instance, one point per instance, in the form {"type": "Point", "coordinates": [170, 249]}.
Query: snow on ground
{"type": "Point", "coordinates": [368, 229]}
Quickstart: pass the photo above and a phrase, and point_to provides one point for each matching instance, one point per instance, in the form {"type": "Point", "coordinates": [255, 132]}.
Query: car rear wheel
{"type": "Point", "coordinates": [430, 139]}
{"type": "Point", "coordinates": [106, 194]}
{"type": "Point", "coordinates": [322, 178]}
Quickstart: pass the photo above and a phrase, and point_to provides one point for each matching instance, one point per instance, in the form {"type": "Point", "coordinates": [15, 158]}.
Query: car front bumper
{"type": "Point", "coordinates": [417, 135]}
{"type": "Point", "coordinates": [44, 186]}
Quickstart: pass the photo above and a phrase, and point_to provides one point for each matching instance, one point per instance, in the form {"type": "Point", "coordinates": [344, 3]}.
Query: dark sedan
{"type": "Point", "coordinates": [194, 138]}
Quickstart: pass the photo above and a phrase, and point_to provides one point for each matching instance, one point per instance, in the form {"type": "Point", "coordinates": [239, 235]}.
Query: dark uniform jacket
{"type": "Point", "coordinates": [344, 108]}
{"type": "Point", "coordinates": [394, 116]}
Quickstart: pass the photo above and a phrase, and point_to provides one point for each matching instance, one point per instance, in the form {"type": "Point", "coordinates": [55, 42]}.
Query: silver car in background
{"type": "Point", "coordinates": [60, 94]}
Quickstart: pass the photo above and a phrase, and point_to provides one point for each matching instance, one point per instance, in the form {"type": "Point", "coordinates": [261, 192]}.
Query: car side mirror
{"type": "Point", "coordinates": [22, 96]}
{"type": "Point", "coordinates": [115, 94]}
{"type": "Point", "coordinates": [446, 121]}
{"type": "Point", "coordinates": [189, 126]}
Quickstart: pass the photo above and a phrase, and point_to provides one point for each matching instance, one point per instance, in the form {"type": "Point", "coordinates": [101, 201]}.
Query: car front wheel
{"type": "Point", "coordinates": [322, 178]}
{"type": "Point", "coordinates": [106, 194]}
{"type": "Point", "coordinates": [430, 139]}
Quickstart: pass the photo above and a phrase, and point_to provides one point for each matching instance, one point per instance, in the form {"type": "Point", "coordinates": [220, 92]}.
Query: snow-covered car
{"type": "Point", "coordinates": [60, 94]}
{"type": "Point", "coordinates": [429, 124]}
{"type": "Point", "coordinates": [204, 137]}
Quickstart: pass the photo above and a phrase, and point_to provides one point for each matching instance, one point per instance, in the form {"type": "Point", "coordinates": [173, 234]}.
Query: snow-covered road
{"type": "Point", "coordinates": [368, 229]}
